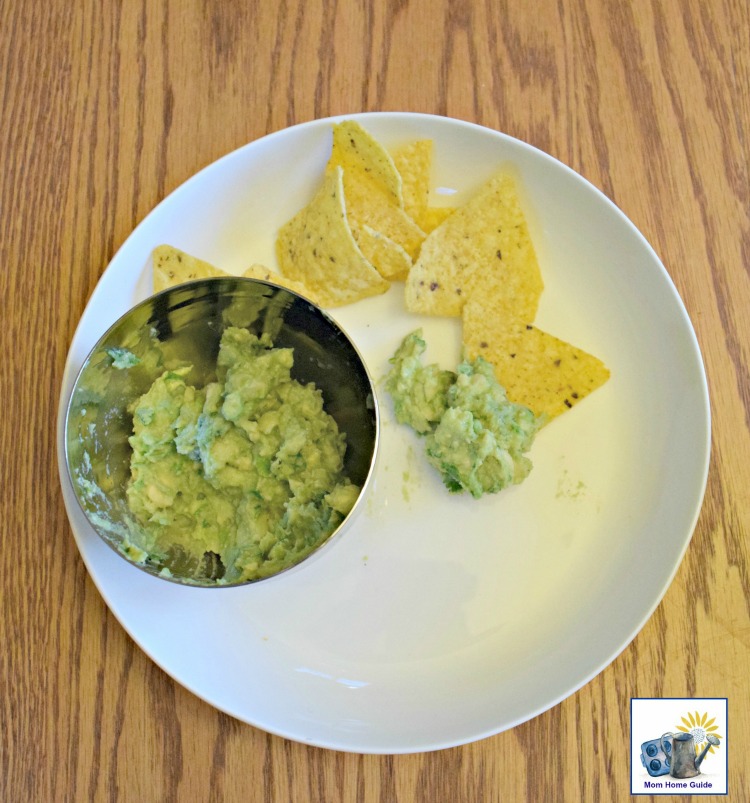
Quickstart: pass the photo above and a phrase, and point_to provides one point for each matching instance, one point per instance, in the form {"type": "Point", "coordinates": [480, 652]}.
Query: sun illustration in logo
{"type": "Point", "coordinates": [699, 728]}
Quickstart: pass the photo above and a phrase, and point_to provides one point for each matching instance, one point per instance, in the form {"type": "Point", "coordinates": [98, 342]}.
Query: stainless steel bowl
{"type": "Point", "coordinates": [185, 325]}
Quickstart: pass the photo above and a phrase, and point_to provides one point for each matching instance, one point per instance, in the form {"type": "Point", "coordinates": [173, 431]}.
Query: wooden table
{"type": "Point", "coordinates": [108, 106]}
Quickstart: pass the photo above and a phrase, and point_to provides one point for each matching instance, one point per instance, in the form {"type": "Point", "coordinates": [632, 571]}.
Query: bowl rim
{"type": "Point", "coordinates": [236, 280]}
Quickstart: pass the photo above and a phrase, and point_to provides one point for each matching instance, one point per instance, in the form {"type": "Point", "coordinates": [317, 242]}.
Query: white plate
{"type": "Point", "coordinates": [438, 620]}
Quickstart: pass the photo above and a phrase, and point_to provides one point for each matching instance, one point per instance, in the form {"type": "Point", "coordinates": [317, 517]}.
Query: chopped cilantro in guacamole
{"type": "Point", "coordinates": [122, 358]}
{"type": "Point", "coordinates": [474, 436]}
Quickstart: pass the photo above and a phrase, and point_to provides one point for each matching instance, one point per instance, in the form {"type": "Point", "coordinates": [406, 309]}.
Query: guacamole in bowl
{"type": "Point", "coordinates": [221, 432]}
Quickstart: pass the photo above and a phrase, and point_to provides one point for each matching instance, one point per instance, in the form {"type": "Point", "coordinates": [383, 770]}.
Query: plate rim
{"type": "Point", "coordinates": [705, 451]}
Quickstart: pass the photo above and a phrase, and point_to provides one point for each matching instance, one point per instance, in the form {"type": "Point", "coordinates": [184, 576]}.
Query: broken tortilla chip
{"type": "Point", "coordinates": [388, 257]}
{"type": "Point", "coordinates": [317, 248]}
{"type": "Point", "coordinates": [267, 275]}
{"type": "Point", "coordinates": [368, 205]}
{"type": "Point", "coordinates": [483, 247]}
{"type": "Point", "coordinates": [536, 368]}
{"type": "Point", "coordinates": [356, 151]}
{"type": "Point", "coordinates": [433, 216]}
{"type": "Point", "coordinates": [373, 187]}
{"type": "Point", "coordinates": [172, 266]}
{"type": "Point", "coordinates": [414, 163]}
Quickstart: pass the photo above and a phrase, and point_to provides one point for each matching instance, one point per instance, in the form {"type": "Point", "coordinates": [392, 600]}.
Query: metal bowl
{"type": "Point", "coordinates": [181, 325]}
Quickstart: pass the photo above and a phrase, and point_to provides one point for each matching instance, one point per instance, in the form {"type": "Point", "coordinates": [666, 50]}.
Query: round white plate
{"type": "Point", "coordinates": [438, 619]}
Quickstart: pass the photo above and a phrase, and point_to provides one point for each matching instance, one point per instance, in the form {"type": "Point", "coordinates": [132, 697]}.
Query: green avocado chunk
{"type": "Point", "coordinates": [243, 477]}
{"type": "Point", "coordinates": [474, 436]}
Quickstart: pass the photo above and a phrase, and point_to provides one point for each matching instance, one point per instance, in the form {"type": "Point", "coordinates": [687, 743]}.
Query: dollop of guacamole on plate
{"type": "Point", "coordinates": [474, 436]}
{"type": "Point", "coordinates": [242, 478]}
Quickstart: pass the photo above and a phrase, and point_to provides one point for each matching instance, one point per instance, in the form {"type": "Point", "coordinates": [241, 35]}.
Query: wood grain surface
{"type": "Point", "coordinates": [108, 106]}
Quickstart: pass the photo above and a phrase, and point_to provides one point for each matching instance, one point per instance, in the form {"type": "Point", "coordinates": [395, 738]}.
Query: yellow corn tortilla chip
{"type": "Point", "coordinates": [172, 266]}
{"type": "Point", "coordinates": [536, 368]}
{"type": "Point", "coordinates": [483, 247]}
{"type": "Point", "coordinates": [372, 186]}
{"type": "Point", "coordinates": [368, 205]}
{"type": "Point", "coordinates": [355, 150]}
{"type": "Point", "coordinates": [317, 248]}
{"type": "Point", "coordinates": [267, 275]}
{"type": "Point", "coordinates": [414, 163]}
{"type": "Point", "coordinates": [433, 216]}
{"type": "Point", "coordinates": [388, 258]}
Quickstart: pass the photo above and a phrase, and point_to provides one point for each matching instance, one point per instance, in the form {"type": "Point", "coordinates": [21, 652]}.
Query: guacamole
{"type": "Point", "coordinates": [474, 436]}
{"type": "Point", "coordinates": [241, 478]}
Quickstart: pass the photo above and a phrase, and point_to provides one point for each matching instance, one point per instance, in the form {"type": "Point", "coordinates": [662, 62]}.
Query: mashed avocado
{"type": "Point", "coordinates": [243, 477]}
{"type": "Point", "coordinates": [474, 436]}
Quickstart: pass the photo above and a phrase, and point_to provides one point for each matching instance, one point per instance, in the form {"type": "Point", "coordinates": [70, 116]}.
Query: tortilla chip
{"type": "Point", "coordinates": [368, 205]}
{"type": "Point", "coordinates": [433, 216]}
{"type": "Point", "coordinates": [536, 369]}
{"type": "Point", "coordinates": [317, 248]}
{"type": "Point", "coordinates": [267, 275]}
{"type": "Point", "coordinates": [481, 248]}
{"type": "Point", "coordinates": [172, 266]}
{"type": "Point", "coordinates": [355, 150]}
{"type": "Point", "coordinates": [388, 258]}
{"type": "Point", "coordinates": [373, 187]}
{"type": "Point", "coordinates": [414, 164]}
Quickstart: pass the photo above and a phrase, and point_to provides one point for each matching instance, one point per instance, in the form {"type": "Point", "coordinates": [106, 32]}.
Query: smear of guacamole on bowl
{"type": "Point", "coordinates": [242, 478]}
{"type": "Point", "coordinates": [474, 436]}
